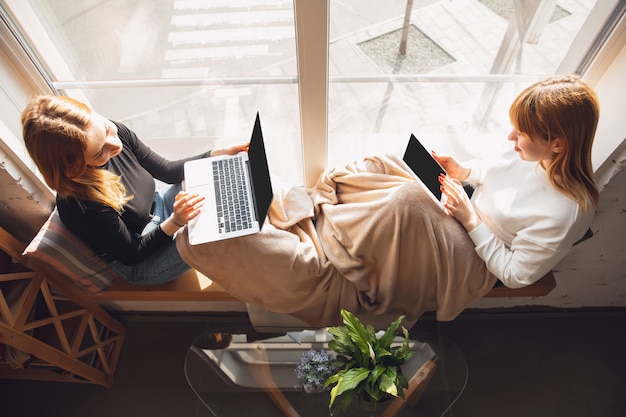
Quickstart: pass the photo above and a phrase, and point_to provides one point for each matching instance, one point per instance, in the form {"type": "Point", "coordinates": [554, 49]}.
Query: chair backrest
{"type": "Point", "coordinates": [58, 247]}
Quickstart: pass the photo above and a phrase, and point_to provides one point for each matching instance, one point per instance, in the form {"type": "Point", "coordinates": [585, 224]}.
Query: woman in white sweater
{"type": "Point", "coordinates": [531, 205]}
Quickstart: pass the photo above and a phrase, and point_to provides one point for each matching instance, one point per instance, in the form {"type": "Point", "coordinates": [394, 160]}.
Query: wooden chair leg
{"type": "Point", "coordinates": [417, 387]}
{"type": "Point", "coordinates": [263, 374]}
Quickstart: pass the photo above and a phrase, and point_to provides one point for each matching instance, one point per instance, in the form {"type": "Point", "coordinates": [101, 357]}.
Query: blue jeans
{"type": "Point", "coordinates": [165, 264]}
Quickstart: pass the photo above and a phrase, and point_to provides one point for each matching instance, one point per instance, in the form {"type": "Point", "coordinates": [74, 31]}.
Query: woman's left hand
{"type": "Point", "coordinates": [187, 207]}
{"type": "Point", "coordinates": [231, 150]}
{"type": "Point", "coordinates": [458, 204]}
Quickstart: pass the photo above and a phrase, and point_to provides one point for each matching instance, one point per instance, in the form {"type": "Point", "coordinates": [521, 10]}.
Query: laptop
{"type": "Point", "coordinates": [424, 166]}
{"type": "Point", "coordinates": [237, 191]}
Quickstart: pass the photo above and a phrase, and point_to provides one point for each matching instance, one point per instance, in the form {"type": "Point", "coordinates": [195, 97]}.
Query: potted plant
{"type": "Point", "coordinates": [314, 369]}
{"type": "Point", "coordinates": [369, 365]}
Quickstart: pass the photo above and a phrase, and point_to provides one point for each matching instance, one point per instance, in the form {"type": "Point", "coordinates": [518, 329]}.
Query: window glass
{"type": "Point", "coordinates": [185, 75]}
{"type": "Point", "coordinates": [440, 88]}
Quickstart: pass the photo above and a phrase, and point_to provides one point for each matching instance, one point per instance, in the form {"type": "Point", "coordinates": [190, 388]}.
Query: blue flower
{"type": "Point", "coordinates": [314, 369]}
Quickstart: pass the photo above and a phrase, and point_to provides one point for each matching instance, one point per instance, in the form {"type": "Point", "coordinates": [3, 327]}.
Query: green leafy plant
{"type": "Point", "coordinates": [369, 365]}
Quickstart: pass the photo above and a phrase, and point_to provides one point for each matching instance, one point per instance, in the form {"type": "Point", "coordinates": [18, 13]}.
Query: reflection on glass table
{"type": "Point", "coordinates": [238, 372]}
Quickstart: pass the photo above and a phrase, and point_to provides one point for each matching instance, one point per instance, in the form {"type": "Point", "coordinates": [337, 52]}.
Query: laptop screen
{"type": "Point", "coordinates": [259, 169]}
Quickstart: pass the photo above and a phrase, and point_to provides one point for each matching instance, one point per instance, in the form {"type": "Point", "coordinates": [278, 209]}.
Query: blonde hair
{"type": "Point", "coordinates": [55, 130]}
{"type": "Point", "coordinates": [566, 108]}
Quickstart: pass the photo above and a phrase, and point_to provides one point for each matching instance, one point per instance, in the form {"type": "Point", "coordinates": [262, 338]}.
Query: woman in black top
{"type": "Point", "coordinates": [104, 177]}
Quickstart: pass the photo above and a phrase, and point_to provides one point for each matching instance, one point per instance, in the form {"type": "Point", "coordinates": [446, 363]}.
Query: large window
{"type": "Point", "coordinates": [462, 64]}
{"type": "Point", "coordinates": [185, 75]}
{"type": "Point", "coordinates": [188, 75]}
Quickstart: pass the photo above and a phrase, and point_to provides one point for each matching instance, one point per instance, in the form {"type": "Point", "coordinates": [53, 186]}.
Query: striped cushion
{"type": "Point", "coordinates": [57, 246]}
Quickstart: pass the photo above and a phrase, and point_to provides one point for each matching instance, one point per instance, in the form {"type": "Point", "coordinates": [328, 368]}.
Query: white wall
{"type": "Point", "coordinates": [611, 90]}
{"type": "Point", "coordinates": [24, 200]}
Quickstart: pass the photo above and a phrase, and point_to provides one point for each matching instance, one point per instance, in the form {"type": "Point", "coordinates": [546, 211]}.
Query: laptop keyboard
{"type": "Point", "coordinates": [233, 207]}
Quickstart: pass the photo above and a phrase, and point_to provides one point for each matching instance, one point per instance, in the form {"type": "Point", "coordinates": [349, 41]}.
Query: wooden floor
{"type": "Point", "coordinates": [550, 364]}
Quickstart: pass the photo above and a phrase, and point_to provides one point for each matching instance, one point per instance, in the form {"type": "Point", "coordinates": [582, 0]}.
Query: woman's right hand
{"type": "Point", "coordinates": [231, 150]}
{"type": "Point", "coordinates": [452, 166]}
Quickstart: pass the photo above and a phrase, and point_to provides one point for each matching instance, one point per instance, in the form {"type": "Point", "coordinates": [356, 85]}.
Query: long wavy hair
{"type": "Point", "coordinates": [56, 134]}
{"type": "Point", "coordinates": [566, 108]}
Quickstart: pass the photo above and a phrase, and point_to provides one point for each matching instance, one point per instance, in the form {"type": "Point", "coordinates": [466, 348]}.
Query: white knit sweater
{"type": "Point", "coordinates": [527, 225]}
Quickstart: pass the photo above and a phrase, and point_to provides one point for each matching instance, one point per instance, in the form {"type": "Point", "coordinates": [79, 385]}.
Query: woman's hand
{"type": "Point", "coordinates": [186, 208]}
{"type": "Point", "coordinates": [452, 166]}
{"type": "Point", "coordinates": [458, 204]}
{"type": "Point", "coordinates": [231, 150]}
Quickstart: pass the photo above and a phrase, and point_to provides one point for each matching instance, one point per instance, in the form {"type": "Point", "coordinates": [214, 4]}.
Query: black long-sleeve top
{"type": "Point", "coordinates": [116, 236]}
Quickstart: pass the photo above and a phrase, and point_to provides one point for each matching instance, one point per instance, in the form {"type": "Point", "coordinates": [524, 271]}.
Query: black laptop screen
{"type": "Point", "coordinates": [262, 185]}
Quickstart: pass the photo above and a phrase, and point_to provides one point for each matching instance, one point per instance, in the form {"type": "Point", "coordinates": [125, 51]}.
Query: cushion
{"type": "Point", "coordinates": [56, 246]}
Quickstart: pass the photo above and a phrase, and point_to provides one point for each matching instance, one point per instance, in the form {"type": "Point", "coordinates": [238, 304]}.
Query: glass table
{"type": "Point", "coordinates": [238, 372]}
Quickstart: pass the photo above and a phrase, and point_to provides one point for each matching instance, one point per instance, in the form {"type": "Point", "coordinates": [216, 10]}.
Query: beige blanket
{"type": "Point", "coordinates": [368, 238]}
